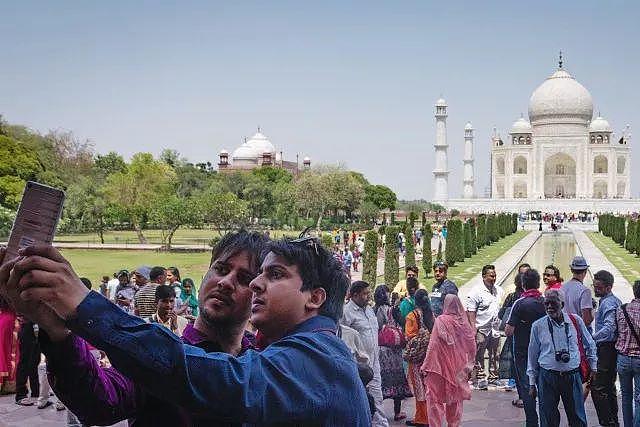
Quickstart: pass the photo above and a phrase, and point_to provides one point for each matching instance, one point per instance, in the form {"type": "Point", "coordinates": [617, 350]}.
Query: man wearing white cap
{"type": "Point", "coordinates": [577, 296]}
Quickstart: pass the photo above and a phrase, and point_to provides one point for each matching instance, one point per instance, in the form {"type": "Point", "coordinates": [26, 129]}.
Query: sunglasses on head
{"type": "Point", "coordinates": [306, 240]}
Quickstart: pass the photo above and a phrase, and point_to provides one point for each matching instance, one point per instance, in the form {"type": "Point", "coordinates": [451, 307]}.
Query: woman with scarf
{"type": "Point", "coordinates": [189, 299]}
{"type": "Point", "coordinates": [420, 318]}
{"type": "Point", "coordinates": [448, 364]}
{"type": "Point", "coordinates": [394, 382]}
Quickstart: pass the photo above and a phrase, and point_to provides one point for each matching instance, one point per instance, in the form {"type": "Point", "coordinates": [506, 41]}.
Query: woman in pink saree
{"type": "Point", "coordinates": [8, 348]}
{"type": "Point", "coordinates": [449, 360]}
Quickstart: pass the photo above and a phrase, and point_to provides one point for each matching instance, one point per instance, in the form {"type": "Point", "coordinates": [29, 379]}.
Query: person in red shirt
{"type": "Point", "coordinates": [551, 277]}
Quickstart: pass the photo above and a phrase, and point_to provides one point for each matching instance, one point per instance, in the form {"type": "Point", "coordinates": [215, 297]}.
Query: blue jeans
{"type": "Point", "coordinates": [552, 386]}
{"type": "Point", "coordinates": [522, 383]}
{"type": "Point", "coordinates": [629, 373]}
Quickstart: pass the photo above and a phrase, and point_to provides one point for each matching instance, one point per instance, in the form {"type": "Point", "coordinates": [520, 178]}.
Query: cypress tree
{"type": "Point", "coordinates": [467, 240]}
{"type": "Point", "coordinates": [455, 242]}
{"type": "Point", "coordinates": [370, 257]}
{"type": "Point", "coordinates": [481, 238]}
{"type": "Point", "coordinates": [410, 255]}
{"type": "Point", "coordinates": [391, 254]}
{"type": "Point", "coordinates": [439, 254]}
{"type": "Point", "coordinates": [474, 238]}
{"type": "Point", "coordinates": [427, 258]}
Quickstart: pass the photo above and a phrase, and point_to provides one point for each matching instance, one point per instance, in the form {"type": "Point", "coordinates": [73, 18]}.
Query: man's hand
{"type": "Point", "coordinates": [533, 392]}
{"type": "Point", "coordinates": [173, 317]}
{"type": "Point", "coordinates": [37, 312]}
{"type": "Point", "coordinates": [43, 275]}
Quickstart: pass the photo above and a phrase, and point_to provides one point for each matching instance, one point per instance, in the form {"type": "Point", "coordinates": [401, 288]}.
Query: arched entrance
{"type": "Point", "coordinates": [560, 177]}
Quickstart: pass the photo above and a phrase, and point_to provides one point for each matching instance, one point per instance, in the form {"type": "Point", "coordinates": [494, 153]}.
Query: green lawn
{"type": "Point", "coordinates": [184, 236]}
{"type": "Point", "coordinates": [95, 263]}
{"type": "Point", "coordinates": [628, 264]}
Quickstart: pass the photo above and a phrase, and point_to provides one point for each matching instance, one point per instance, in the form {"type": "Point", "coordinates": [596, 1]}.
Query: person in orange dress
{"type": "Point", "coordinates": [421, 317]}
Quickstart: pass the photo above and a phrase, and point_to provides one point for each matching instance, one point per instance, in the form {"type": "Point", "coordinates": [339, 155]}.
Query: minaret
{"type": "Point", "coordinates": [468, 191]}
{"type": "Point", "coordinates": [441, 172]}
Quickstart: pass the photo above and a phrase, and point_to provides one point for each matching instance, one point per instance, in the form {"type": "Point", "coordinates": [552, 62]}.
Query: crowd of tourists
{"type": "Point", "coordinates": [277, 334]}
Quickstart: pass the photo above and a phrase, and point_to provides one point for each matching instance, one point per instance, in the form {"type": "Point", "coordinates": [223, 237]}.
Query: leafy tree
{"type": "Point", "coordinates": [410, 255]}
{"type": "Point", "coordinates": [6, 221]}
{"type": "Point", "coordinates": [135, 190]}
{"type": "Point", "coordinates": [391, 262]}
{"type": "Point", "coordinates": [109, 163]}
{"type": "Point", "coordinates": [312, 196]}
{"type": "Point", "coordinates": [258, 195]}
{"type": "Point", "coordinates": [224, 211]}
{"type": "Point", "coordinates": [273, 175]}
{"type": "Point", "coordinates": [172, 158]}
{"type": "Point", "coordinates": [86, 206]}
{"type": "Point", "coordinates": [172, 212]}
{"type": "Point", "coordinates": [370, 257]}
{"type": "Point", "coordinates": [18, 164]}
{"type": "Point", "coordinates": [381, 196]}
{"type": "Point", "coordinates": [369, 212]}
{"type": "Point", "coordinates": [427, 258]}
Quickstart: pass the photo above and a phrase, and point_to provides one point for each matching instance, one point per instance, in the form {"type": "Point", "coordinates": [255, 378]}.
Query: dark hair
{"type": "Point", "coordinates": [605, 277]}
{"type": "Point", "coordinates": [232, 244]}
{"type": "Point", "coordinates": [164, 291]}
{"type": "Point", "coordinates": [413, 268]}
{"type": "Point", "coordinates": [175, 272]}
{"type": "Point", "coordinates": [412, 282]}
{"type": "Point", "coordinates": [556, 270]}
{"type": "Point", "coordinates": [156, 272]}
{"type": "Point", "coordinates": [488, 267]}
{"type": "Point", "coordinates": [86, 282]}
{"type": "Point", "coordinates": [524, 264]}
{"type": "Point", "coordinates": [636, 289]}
{"type": "Point", "coordinates": [517, 280]}
{"type": "Point", "coordinates": [442, 264]}
{"type": "Point", "coordinates": [357, 287]}
{"type": "Point", "coordinates": [380, 297]}
{"type": "Point", "coordinates": [105, 278]}
{"type": "Point", "coordinates": [188, 281]}
{"type": "Point", "coordinates": [318, 268]}
{"type": "Point", "coordinates": [531, 279]}
{"type": "Point", "coordinates": [422, 301]}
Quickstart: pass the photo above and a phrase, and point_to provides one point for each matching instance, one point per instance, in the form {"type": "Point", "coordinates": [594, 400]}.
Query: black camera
{"type": "Point", "coordinates": [563, 356]}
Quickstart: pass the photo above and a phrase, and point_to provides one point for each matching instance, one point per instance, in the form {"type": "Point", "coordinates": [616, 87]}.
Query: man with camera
{"type": "Point", "coordinates": [554, 363]}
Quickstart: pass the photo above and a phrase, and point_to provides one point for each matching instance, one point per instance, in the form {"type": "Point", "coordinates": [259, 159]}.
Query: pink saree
{"type": "Point", "coordinates": [8, 348]}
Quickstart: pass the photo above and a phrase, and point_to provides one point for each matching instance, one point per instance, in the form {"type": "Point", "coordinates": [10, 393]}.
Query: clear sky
{"type": "Point", "coordinates": [349, 82]}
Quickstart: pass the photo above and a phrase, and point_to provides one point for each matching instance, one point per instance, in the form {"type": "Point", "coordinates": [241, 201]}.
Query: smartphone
{"type": "Point", "coordinates": [37, 217]}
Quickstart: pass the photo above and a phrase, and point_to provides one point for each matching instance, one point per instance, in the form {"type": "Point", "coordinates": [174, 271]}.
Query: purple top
{"type": "Point", "coordinates": [104, 396]}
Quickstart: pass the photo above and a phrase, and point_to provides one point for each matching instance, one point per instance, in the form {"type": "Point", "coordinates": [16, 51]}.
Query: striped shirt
{"type": "Point", "coordinates": [145, 300]}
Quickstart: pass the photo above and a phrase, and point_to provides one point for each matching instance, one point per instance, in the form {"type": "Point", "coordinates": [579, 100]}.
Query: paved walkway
{"type": "Point", "coordinates": [598, 261]}
{"type": "Point", "coordinates": [505, 263]}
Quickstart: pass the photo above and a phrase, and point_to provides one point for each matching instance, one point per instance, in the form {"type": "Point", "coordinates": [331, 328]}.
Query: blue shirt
{"type": "Point", "coordinates": [542, 352]}
{"type": "Point", "coordinates": [302, 379]}
{"type": "Point", "coordinates": [606, 327]}
{"type": "Point", "coordinates": [438, 293]}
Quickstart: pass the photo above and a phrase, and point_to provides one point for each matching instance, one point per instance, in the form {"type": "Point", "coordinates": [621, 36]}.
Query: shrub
{"type": "Point", "coordinates": [391, 263]}
{"type": "Point", "coordinates": [474, 237]}
{"type": "Point", "coordinates": [439, 254]}
{"type": "Point", "coordinates": [370, 257]}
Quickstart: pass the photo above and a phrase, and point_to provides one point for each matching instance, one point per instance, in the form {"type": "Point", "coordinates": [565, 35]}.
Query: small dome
{"type": "Point", "coordinates": [521, 126]}
{"type": "Point", "coordinates": [468, 126]}
{"type": "Point", "coordinates": [306, 160]}
{"type": "Point", "coordinates": [560, 97]}
{"type": "Point", "coordinates": [223, 151]}
{"type": "Point", "coordinates": [600, 125]}
{"type": "Point", "coordinates": [441, 103]}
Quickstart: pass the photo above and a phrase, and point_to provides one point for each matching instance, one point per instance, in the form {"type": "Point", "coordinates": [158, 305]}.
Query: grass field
{"type": "Point", "coordinates": [628, 264]}
{"type": "Point", "coordinates": [186, 236]}
{"type": "Point", "coordinates": [95, 263]}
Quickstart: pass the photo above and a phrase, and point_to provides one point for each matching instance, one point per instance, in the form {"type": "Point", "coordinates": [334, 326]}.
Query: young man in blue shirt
{"type": "Point", "coordinates": [302, 377]}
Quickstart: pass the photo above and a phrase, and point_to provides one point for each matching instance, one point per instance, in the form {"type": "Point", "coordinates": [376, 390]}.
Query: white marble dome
{"type": "Point", "coordinates": [521, 126]}
{"type": "Point", "coordinates": [560, 97]}
{"type": "Point", "coordinates": [600, 125]}
{"type": "Point", "coordinates": [261, 144]}
{"type": "Point", "coordinates": [245, 152]}
{"type": "Point", "coordinates": [468, 126]}
{"type": "Point", "coordinates": [441, 102]}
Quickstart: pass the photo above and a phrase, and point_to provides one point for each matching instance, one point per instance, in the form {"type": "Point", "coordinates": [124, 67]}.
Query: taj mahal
{"type": "Point", "coordinates": [560, 159]}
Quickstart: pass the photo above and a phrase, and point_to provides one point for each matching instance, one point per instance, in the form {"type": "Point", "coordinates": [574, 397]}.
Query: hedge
{"type": "Point", "coordinates": [370, 257]}
{"type": "Point", "coordinates": [455, 242]}
{"type": "Point", "coordinates": [410, 247]}
{"type": "Point", "coordinates": [427, 258]}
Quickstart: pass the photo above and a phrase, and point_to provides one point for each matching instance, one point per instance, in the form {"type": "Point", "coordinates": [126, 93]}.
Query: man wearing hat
{"type": "Point", "coordinates": [576, 295]}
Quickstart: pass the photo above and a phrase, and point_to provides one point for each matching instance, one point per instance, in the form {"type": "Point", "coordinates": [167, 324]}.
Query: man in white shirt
{"type": "Point", "coordinates": [112, 284]}
{"type": "Point", "coordinates": [483, 305]}
{"type": "Point", "coordinates": [359, 315]}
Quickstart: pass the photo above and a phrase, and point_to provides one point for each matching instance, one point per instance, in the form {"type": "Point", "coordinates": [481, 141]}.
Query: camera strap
{"type": "Point", "coordinates": [626, 316]}
{"type": "Point", "coordinates": [566, 331]}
